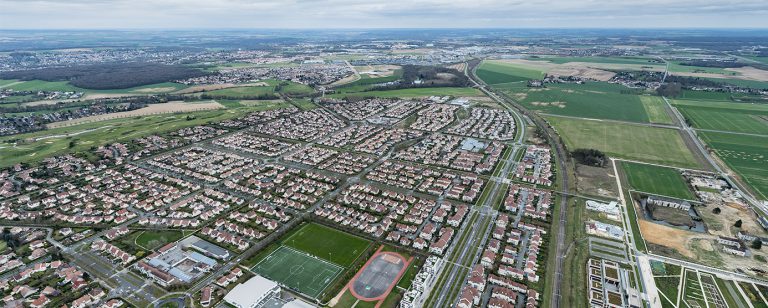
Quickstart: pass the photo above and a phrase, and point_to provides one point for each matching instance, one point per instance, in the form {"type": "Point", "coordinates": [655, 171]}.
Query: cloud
{"type": "Point", "coordinates": [31, 14]}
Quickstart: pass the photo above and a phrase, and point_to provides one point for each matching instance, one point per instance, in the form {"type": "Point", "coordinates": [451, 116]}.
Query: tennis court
{"type": "Point", "coordinates": [299, 271]}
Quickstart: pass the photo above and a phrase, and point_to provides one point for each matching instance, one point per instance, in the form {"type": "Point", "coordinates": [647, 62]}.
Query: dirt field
{"type": "Point", "coordinates": [107, 95]}
{"type": "Point", "coordinates": [581, 69]}
{"type": "Point", "coordinates": [169, 107]}
{"type": "Point", "coordinates": [722, 224]}
{"type": "Point", "coordinates": [212, 87]}
{"type": "Point", "coordinates": [351, 78]}
{"type": "Point", "coordinates": [746, 73]}
{"type": "Point", "coordinates": [596, 181]}
{"type": "Point", "coordinates": [459, 66]}
{"type": "Point", "coordinates": [155, 90]}
{"type": "Point", "coordinates": [670, 237]}
{"type": "Point", "coordinates": [377, 70]}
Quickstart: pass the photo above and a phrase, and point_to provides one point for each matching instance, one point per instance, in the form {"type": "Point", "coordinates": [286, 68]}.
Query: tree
{"type": "Point", "coordinates": [757, 244]}
{"type": "Point", "coordinates": [672, 89]}
{"type": "Point", "coordinates": [716, 210]}
{"type": "Point", "coordinates": [737, 224]}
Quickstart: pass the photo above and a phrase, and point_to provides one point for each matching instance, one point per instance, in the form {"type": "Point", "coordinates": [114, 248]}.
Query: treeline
{"type": "Point", "coordinates": [687, 82]}
{"type": "Point", "coordinates": [590, 157]}
{"type": "Point", "coordinates": [107, 76]}
{"type": "Point", "coordinates": [427, 77]}
{"type": "Point", "coordinates": [717, 64]}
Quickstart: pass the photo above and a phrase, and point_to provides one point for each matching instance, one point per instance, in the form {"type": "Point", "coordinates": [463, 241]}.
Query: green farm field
{"type": "Point", "coordinates": [656, 109]}
{"type": "Point", "coordinates": [611, 60]}
{"type": "Point", "coordinates": [726, 116]}
{"type": "Point", "coordinates": [413, 92]}
{"type": "Point", "coordinates": [39, 85]}
{"type": "Point", "coordinates": [634, 142]}
{"type": "Point", "coordinates": [746, 155]}
{"type": "Point", "coordinates": [657, 180]}
{"type": "Point", "coordinates": [494, 72]}
{"type": "Point", "coordinates": [594, 100]}
{"type": "Point", "coordinates": [327, 243]}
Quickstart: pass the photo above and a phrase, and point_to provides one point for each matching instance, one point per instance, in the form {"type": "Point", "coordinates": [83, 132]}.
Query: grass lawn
{"type": "Point", "coordinates": [746, 155]}
{"type": "Point", "coordinates": [692, 289]}
{"type": "Point", "coordinates": [655, 108]}
{"type": "Point", "coordinates": [493, 72]}
{"type": "Point", "coordinates": [100, 133]}
{"type": "Point", "coordinates": [156, 88]}
{"type": "Point", "coordinates": [327, 243]}
{"type": "Point", "coordinates": [414, 92]}
{"type": "Point", "coordinates": [657, 180]}
{"type": "Point", "coordinates": [596, 100]}
{"type": "Point", "coordinates": [634, 142]}
{"type": "Point", "coordinates": [155, 239]}
{"type": "Point", "coordinates": [303, 104]}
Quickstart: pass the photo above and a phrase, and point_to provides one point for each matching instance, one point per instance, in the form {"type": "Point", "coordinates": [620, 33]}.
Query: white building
{"type": "Point", "coordinates": [611, 210]}
{"type": "Point", "coordinates": [252, 293]}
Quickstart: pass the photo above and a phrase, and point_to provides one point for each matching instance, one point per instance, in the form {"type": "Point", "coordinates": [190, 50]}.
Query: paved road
{"type": "Point", "coordinates": [510, 104]}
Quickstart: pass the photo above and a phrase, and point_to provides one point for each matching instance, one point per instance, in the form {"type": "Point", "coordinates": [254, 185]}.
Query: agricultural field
{"type": "Point", "coordinates": [413, 92]}
{"type": "Point", "coordinates": [594, 100]}
{"type": "Point", "coordinates": [39, 85]}
{"type": "Point", "coordinates": [611, 60]}
{"type": "Point", "coordinates": [744, 154]}
{"type": "Point", "coordinates": [725, 116]}
{"type": "Point", "coordinates": [656, 109]}
{"type": "Point", "coordinates": [495, 72]}
{"type": "Point", "coordinates": [634, 142]}
{"type": "Point", "coordinates": [657, 180]}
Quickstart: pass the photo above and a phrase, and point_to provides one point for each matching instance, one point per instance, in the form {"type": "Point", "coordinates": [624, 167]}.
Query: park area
{"type": "Point", "coordinates": [634, 142]}
{"type": "Point", "coordinates": [657, 180]}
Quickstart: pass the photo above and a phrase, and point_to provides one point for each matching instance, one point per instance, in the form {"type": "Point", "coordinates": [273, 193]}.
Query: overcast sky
{"type": "Point", "coordinates": [182, 14]}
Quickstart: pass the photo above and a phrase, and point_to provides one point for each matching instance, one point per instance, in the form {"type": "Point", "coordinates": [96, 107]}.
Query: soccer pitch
{"type": "Point", "coordinates": [298, 271]}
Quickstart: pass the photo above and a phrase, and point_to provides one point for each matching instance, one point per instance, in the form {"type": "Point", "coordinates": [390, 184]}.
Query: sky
{"type": "Point", "coordinates": [261, 14]}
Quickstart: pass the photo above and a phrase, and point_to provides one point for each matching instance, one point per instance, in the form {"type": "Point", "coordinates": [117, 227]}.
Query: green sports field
{"type": "Point", "coordinates": [595, 100]}
{"type": "Point", "coordinates": [725, 116]}
{"type": "Point", "coordinates": [155, 239]}
{"type": "Point", "coordinates": [298, 271]}
{"type": "Point", "coordinates": [327, 243]}
{"type": "Point", "coordinates": [657, 180]}
{"type": "Point", "coordinates": [746, 155]}
{"type": "Point", "coordinates": [635, 142]}
{"type": "Point", "coordinates": [494, 72]}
